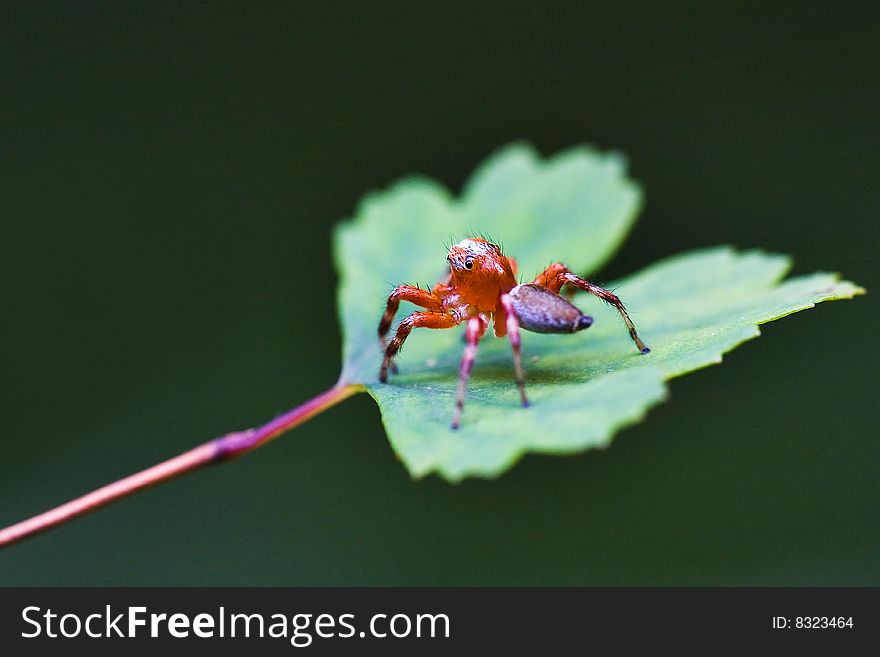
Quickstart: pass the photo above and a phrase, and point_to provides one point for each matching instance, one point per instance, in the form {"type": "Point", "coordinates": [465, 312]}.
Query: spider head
{"type": "Point", "coordinates": [476, 255]}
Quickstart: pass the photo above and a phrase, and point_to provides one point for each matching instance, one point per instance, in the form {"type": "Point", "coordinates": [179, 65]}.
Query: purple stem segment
{"type": "Point", "coordinates": [218, 450]}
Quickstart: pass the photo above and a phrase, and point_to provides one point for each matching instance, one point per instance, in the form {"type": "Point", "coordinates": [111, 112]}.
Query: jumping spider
{"type": "Point", "coordinates": [481, 287]}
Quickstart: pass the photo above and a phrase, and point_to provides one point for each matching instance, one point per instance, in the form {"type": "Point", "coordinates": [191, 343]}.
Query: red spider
{"type": "Point", "coordinates": [480, 287]}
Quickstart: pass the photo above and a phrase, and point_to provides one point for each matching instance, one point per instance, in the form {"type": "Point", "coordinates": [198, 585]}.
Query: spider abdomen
{"type": "Point", "coordinates": [541, 311]}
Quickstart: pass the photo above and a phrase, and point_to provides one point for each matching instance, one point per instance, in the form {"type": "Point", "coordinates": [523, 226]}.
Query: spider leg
{"type": "Point", "coordinates": [418, 296]}
{"type": "Point", "coordinates": [413, 294]}
{"type": "Point", "coordinates": [473, 332]}
{"type": "Point", "coordinates": [549, 278]}
{"type": "Point", "coordinates": [557, 275]}
{"type": "Point", "coordinates": [516, 345]}
{"type": "Point", "coordinates": [609, 298]}
{"type": "Point", "coordinates": [415, 320]}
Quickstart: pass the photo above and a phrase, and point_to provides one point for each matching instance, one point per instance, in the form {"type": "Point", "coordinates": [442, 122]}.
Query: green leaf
{"type": "Point", "coordinates": [576, 207]}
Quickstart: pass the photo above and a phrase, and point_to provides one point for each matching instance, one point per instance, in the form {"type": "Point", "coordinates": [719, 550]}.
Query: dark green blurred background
{"type": "Point", "coordinates": [170, 176]}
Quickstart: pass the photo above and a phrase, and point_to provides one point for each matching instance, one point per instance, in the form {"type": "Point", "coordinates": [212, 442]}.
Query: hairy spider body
{"type": "Point", "coordinates": [481, 288]}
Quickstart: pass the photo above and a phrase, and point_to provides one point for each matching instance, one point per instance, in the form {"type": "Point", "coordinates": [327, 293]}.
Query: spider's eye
{"type": "Point", "coordinates": [496, 247]}
{"type": "Point", "coordinates": [469, 263]}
